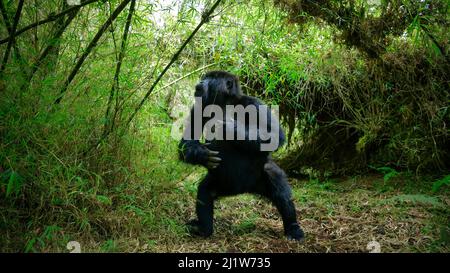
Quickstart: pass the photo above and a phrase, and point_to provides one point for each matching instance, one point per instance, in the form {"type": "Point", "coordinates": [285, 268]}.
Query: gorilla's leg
{"type": "Point", "coordinates": [279, 192]}
{"type": "Point", "coordinates": [203, 226]}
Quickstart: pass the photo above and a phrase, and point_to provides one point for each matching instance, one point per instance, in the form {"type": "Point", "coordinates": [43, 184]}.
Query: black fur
{"type": "Point", "coordinates": [243, 167]}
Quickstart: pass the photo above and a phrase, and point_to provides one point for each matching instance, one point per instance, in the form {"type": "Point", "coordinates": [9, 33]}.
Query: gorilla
{"type": "Point", "coordinates": [235, 166]}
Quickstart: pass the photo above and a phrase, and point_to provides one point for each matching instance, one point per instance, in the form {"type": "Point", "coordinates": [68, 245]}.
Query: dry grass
{"type": "Point", "coordinates": [341, 217]}
{"type": "Point", "coordinates": [337, 216]}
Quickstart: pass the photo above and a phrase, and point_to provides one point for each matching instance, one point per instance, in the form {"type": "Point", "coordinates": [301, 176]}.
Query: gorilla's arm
{"type": "Point", "coordinates": [254, 146]}
{"type": "Point", "coordinates": [191, 151]}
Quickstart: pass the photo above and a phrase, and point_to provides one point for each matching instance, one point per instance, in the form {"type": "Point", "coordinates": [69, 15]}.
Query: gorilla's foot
{"type": "Point", "coordinates": [194, 228]}
{"type": "Point", "coordinates": [294, 232]}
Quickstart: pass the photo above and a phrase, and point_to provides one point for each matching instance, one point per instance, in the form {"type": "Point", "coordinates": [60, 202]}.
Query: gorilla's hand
{"type": "Point", "coordinates": [213, 160]}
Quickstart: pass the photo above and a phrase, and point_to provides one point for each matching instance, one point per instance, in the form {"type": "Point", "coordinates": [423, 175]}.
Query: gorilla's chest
{"type": "Point", "coordinates": [238, 171]}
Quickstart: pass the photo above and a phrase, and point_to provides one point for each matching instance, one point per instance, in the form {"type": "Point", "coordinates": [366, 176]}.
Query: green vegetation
{"type": "Point", "coordinates": [88, 104]}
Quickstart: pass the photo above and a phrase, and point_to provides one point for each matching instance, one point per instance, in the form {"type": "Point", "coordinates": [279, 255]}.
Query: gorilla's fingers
{"type": "Point", "coordinates": [215, 159]}
{"type": "Point", "coordinates": [211, 152]}
{"type": "Point", "coordinates": [213, 162]}
{"type": "Point", "coordinates": [212, 165]}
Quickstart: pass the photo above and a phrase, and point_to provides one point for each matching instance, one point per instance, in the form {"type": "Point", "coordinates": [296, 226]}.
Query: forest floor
{"type": "Point", "coordinates": [337, 216]}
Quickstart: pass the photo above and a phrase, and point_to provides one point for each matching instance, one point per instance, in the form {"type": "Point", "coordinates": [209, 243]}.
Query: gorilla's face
{"type": "Point", "coordinates": [212, 91]}
{"type": "Point", "coordinates": [217, 89]}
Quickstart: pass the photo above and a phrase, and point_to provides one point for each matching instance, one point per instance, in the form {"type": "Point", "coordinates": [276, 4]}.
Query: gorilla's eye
{"type": "Point", "coordinates": [229, 84]}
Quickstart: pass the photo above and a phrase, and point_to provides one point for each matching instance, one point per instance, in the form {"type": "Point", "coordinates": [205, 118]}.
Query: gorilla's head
{"type": "Point", "coordinates": [218, 87]}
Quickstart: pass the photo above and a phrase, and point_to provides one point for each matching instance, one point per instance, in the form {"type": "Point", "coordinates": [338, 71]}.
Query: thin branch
{"type": "Point", "coordinates": [90, 47]}
{"type": "Point", "coordinates": [50, 18]}
{"type": "Point", "coordinates": [52, 44]}
{"type": "Point", "coordinates": [8, 27]}
{"type": "Point", "coordinates": [115, 85]}
{"type": "Point", "coordinates": [185, 76]}
{"type": "Point", "coordinates": [206, 16]}
{"type": "Point", "coordinates": [11, 37]}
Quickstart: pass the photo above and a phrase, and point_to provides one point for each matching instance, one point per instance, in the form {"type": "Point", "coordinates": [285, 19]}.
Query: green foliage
{"type": "Point", "coordinates": [13, 182]}
{"type": "Point", "coordinates": [342, 109]}
{"type": "Point", "coordinates": [109, 246]}
{"type": "Point", "coordinates": [418, 198]}
{"type": "Point", "coordinates": [388, 172]}
{"type": "Point", "coordinates": [441, 182]}
{"type": "Point", "coordinates": [41, 241]}
{"type": "Point", "coordinates": [104, 200]}
{"type": "Point", "coordinates": [245, 226]}
{"type": "Point", "coordinates": [346, 108]}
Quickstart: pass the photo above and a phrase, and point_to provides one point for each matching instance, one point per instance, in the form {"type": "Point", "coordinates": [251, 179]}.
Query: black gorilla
{"type": "Point", "coordinates": [234, 166]}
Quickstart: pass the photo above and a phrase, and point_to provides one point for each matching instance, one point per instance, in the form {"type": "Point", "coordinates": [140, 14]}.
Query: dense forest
{"type": "Point", "coordinates": [94, 95]}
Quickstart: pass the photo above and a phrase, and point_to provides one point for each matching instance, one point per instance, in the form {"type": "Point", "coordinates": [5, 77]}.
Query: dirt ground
{"type": "Point", "coordinates": [361, 214]}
